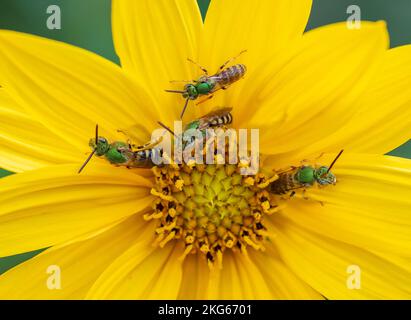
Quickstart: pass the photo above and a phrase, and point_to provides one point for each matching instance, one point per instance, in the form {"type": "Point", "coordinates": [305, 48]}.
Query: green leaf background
{"type": "Point", "coordinates": [86, 23]}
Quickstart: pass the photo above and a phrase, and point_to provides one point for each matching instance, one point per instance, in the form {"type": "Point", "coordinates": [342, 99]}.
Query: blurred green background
{"type": "Point", "coordinates": [86, 23]}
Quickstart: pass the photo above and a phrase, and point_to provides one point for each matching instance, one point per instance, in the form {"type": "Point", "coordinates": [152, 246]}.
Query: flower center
{"type": "Point", "coordinates": [212, 208]}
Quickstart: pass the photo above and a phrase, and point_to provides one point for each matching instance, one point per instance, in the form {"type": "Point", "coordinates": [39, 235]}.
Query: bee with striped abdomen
{"type": "Point", "coordinates": [206, 85]}
{"type": "Point", "coordinates": [217, 118]}
{"type": "Point", "coordinates": [303, 177]}
{"type": "Point", "coordinates": [122, 153]}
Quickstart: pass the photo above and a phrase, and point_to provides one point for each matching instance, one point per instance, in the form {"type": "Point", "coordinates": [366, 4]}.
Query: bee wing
{"type": "Point", "coordinates": [206, 119]}
{"type": "Point", "coordinates": [136, 134]}
{"type": "Point", "coordinates": [218, 85]}
{"type": "Point", "coordinates": [127, 152]}
{"type": "Point", "coordinates": [139, 137]}
{"type": "Point", "coordinates": [217, 113]}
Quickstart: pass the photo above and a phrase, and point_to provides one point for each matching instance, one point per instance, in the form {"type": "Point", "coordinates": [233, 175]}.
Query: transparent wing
{"type": "Point", "coordinates": [206, 119]}
{"type": "Point", "coordinates": [136, 134]}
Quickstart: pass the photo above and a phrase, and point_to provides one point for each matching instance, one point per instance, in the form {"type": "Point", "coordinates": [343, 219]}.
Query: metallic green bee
{"type": "Point", "coordinates": [123, 153]}
{"type": "Point", "coordinates": [214, 119]}
{"type": "Point", "coordinates": [206, 85]}
{"type": "Point", "coordinates": [217, 118]}
{"type": "Point", "coordinates": [303, 177]}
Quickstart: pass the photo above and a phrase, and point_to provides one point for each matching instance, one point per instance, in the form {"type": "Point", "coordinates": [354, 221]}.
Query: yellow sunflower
{"type": "Point", "coordinates": [308, 93]}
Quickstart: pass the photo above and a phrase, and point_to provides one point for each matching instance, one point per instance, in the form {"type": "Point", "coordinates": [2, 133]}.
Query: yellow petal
{"type": "Point", "coordinates": [7, 102]}
{"type": "Point", "coordinates": [283, 283]}
{"type": "Point", "coordinates": [227, 282]}
{"type": "Point", "coordinates": [70, 90]}
{"type": "Point", "coordinates": [369, 207]}
{"type": "Point", "coordinates": [153, 40]}
{"type": "Point", "coordinates": [252, 280]}
{"type": "Point", "coordinates": [256, 276]}
{"type": "Point", "coordinates": [326, 265]}
{"type": "Point", "coordinates": [48, 206]}
{"type": "Point", "coordinates": [309, 92]}
{"type": "Point", "coordinates": [238, 279]}
{"type": "Point", "coordinates": [263, 28]}
{"type": "Point", "coordinates": [383, 120]}
{"type": "Point", "coordinates": [142, 272]}
{"type": "Point", "coordinates": [386, 105]}
{"type": "Point", "coordinates": [261, 276]}
{"type": "Point", "coordinates": [26, 144]}
{"type": "Point", "coordinates": [81, 261]}
{"type": "Point", "coordinates": [194, 283]}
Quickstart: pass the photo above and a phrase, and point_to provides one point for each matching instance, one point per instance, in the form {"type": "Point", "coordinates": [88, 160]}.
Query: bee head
{"type": "Point", "coordinates": [190, 91]}
{"type": "Point", "coordinates": [323, 176]}
{"type": "Point", "coordinates": [100, 144]}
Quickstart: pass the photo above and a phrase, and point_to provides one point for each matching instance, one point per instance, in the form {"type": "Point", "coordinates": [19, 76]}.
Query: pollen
{"type": "Point", "coordinates": [211, 208]}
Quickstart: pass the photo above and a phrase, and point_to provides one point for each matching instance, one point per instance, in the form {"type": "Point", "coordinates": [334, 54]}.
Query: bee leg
{"type": "Point", "coordinates": [292, 194]}
{"type": "Point", "coordinates": [198, 65]}
{"type": "Point", "coordinates": [230, 60]}
{"type": "Point", "coordinates": [122, 132]}
{"type": "Point", "coordinates": [150, 145]}
{"type": "Point", "coordinates": [187, 81]}
{"type": "Point", "coordinates": [130, 144]}
{"type": "Point", "coordinates": [204, 100]}
{"type": "Point", "coordinates": [307, 198]}
{"type": "Point", "coordinates": [285, 170]}
{"type": "Point", "coordinates": [319, 157]}
{"type": "Point", "coordinates": [126, 135]}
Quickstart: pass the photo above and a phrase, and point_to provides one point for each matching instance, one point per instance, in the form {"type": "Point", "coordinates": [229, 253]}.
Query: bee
{"type": "Point", "coordinates": [217, 118]}
{"type": "Point", "coordinates": [123, 153]}
{"type": "Point", "coordinates": [303, 177]}
{"type": "Point", "coordinates": [214, 119]}
{"type": "Point", "coordinates": [141, 158]}
{"type": "Point", "coordinates": [207, 85]}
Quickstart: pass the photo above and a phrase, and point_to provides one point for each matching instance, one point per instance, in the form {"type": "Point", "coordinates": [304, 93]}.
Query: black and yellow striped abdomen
{"type": "Point", "coordinates": [231, 74]}
{"type": "Point", "coordinates": [285, 183]}
{"type": "Point", "coordinates": [221, 120]}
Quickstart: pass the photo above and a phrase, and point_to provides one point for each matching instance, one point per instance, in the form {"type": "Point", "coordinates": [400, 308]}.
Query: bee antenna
{"type": "Point", "coordinates": [165, 127]}
{"type": "Point", "coordinates": [184, 109]}
{"type": "Point", "coordinates": [96, 133]}
{"type": "Point", "coordinates": [174, 91]}
{"type": "Point", "coordinates": [92, 153]}
{"type": "Point", "coordinates": [87, 161]}
{"type": "Point", "coordinates": [335, 160]}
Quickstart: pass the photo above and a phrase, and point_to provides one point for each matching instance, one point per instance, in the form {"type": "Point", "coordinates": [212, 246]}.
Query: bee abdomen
{"type": "Point", "coordinates": [221, 120]}
{"type": "Point", "coordinates": [283, 184]}
{"type": "Point", "coordinates": [232, 74]}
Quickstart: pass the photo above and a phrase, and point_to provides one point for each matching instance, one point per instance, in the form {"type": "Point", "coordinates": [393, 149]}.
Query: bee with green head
{"type": "Point", "coordinates": [303, 177]}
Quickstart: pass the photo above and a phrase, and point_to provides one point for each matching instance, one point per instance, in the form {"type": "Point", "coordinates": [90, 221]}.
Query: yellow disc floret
{"type": "Point", "coordinates": [212, 208]}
